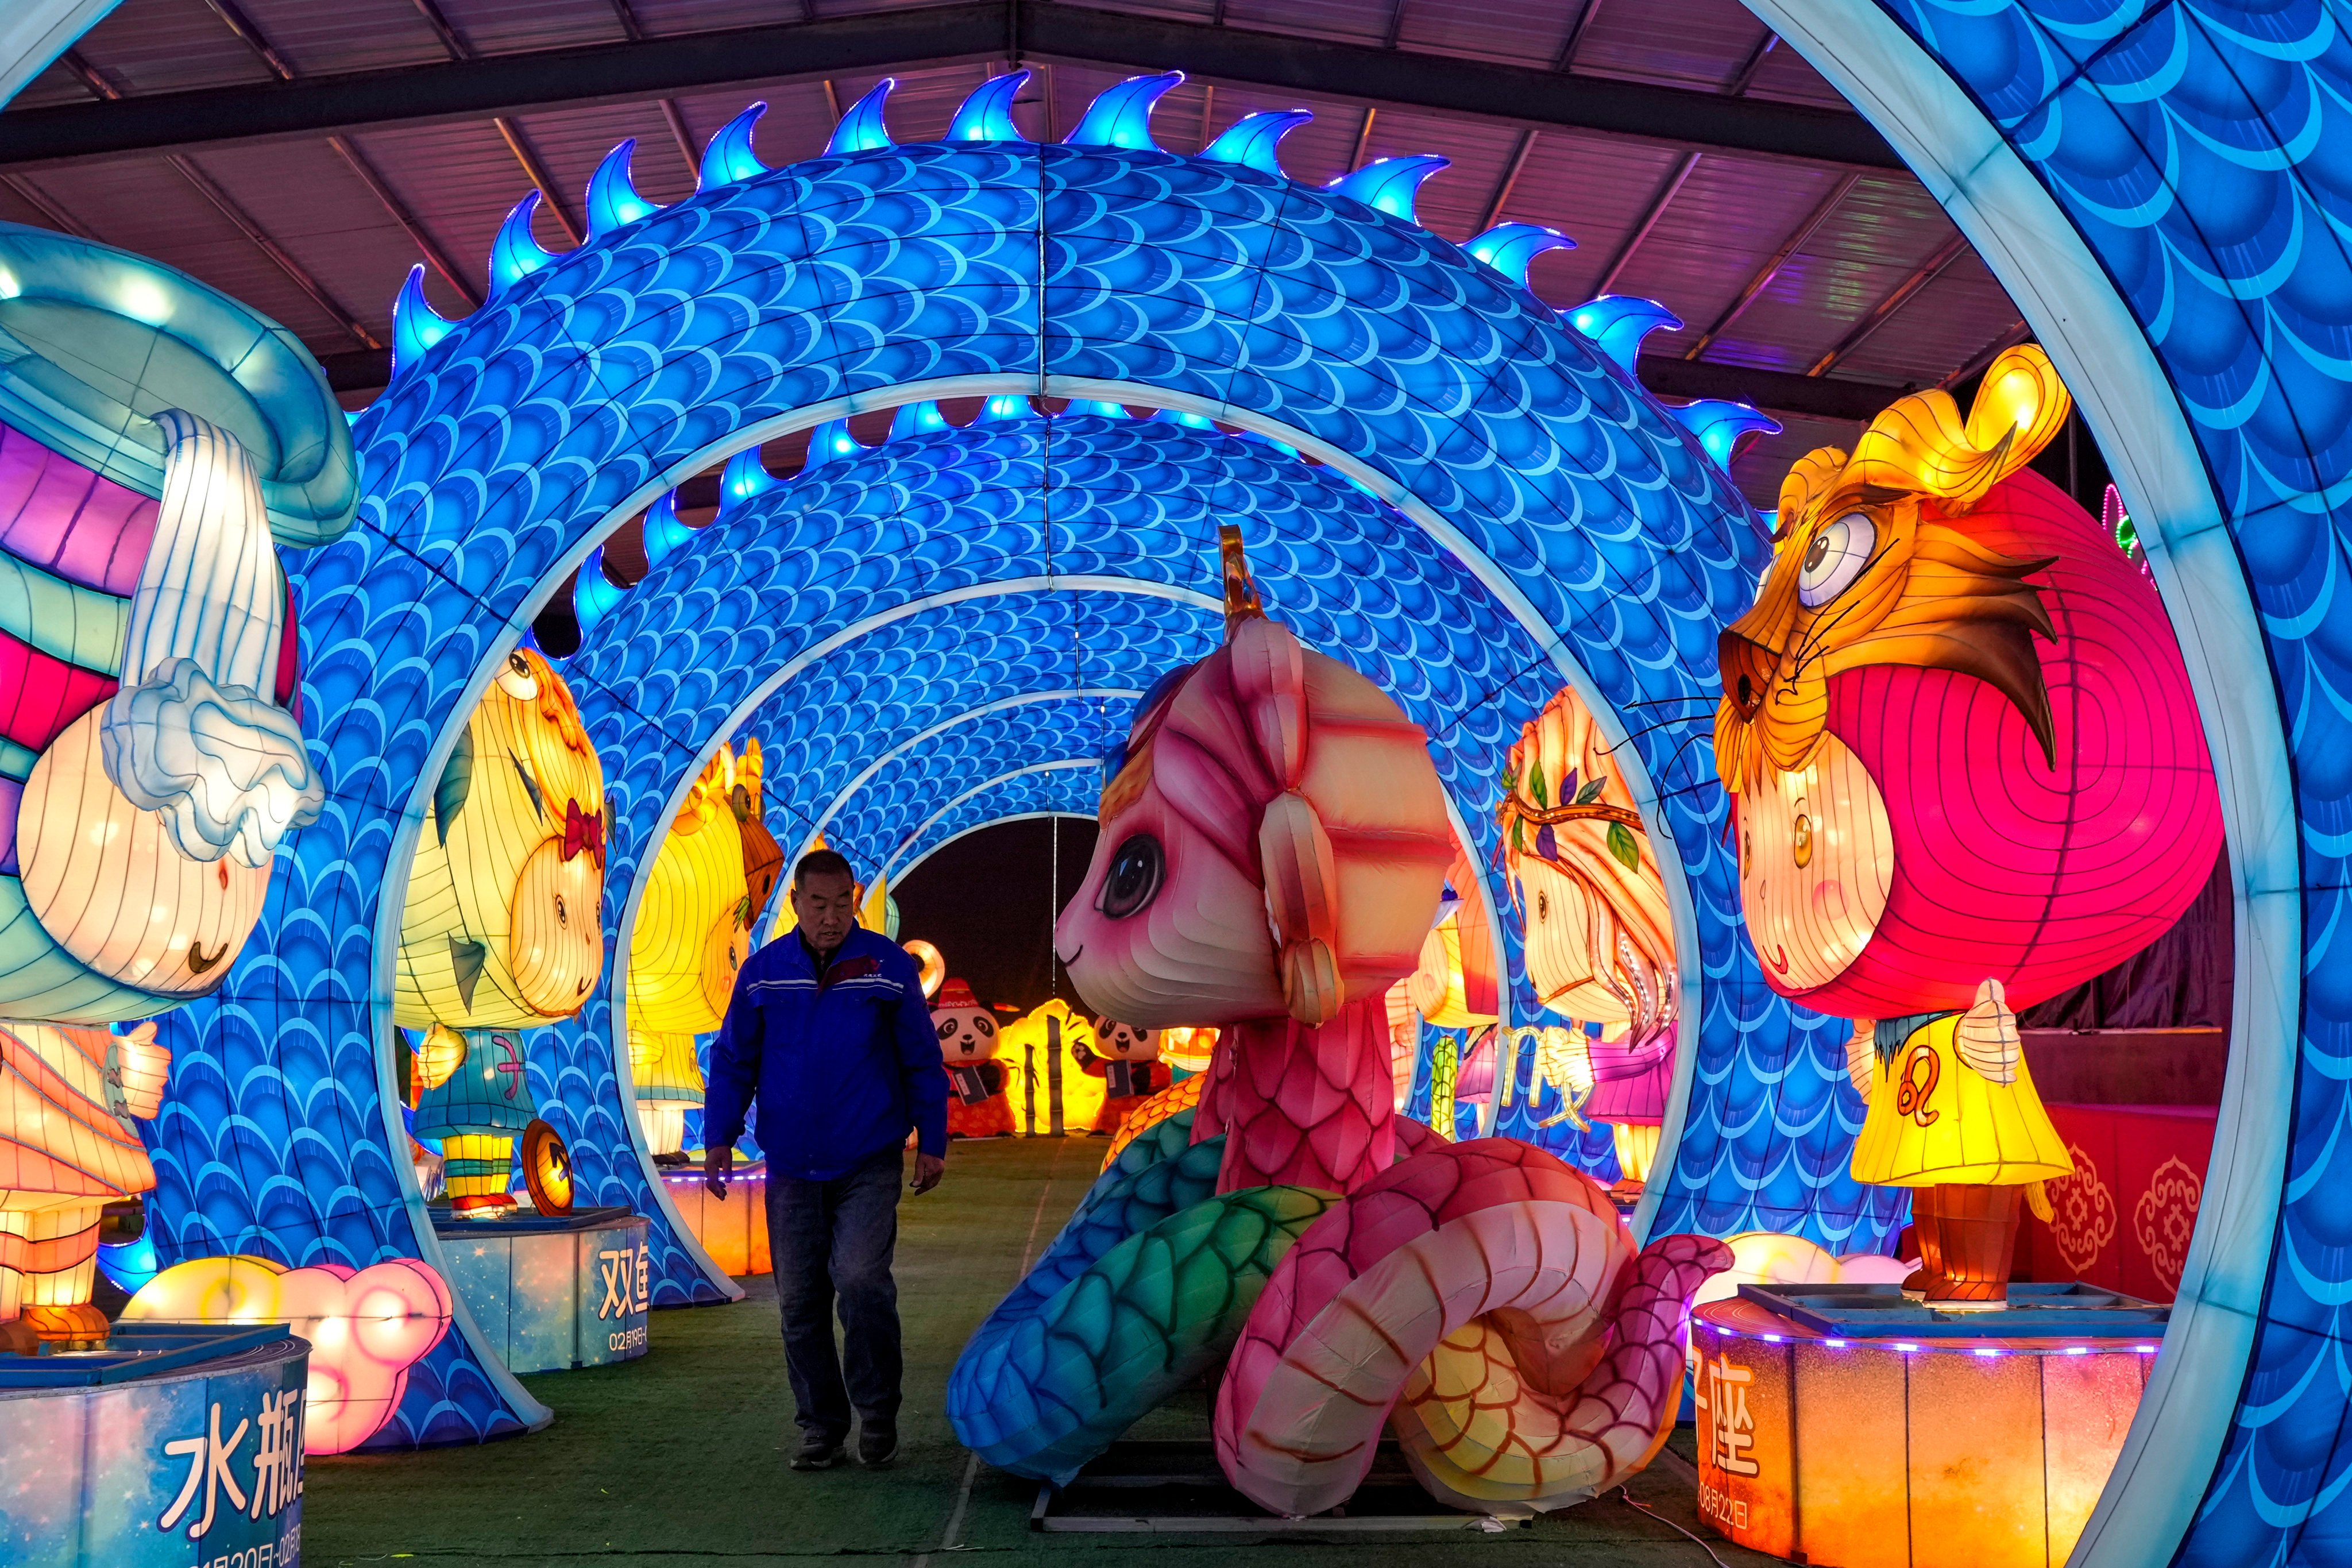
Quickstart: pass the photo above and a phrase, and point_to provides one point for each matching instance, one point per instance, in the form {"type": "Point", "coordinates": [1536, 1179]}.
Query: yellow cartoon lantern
{"type": "Point", "coordinates": [503, 927]}
{"type": "Point", "coordinates": [692, 934]}
{"type": "Point", "coordinates": [1048, 1085]}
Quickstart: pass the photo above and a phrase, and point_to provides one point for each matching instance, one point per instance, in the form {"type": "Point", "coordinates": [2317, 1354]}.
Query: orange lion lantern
{"type": "Point", "coordinates": [1969, 775]}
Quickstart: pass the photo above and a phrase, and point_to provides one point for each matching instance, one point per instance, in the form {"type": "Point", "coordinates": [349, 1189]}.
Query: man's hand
{"type": "Point", "coordinates": [928, 1170]}
{"type": "Point", "coordinates": [718, 1163]}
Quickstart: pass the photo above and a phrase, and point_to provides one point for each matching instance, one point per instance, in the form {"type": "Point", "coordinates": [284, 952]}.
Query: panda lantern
{"type": "Point", "coordinates": [1127, 1058]}
{"type": "Point", "coordinates": [977, 1105]}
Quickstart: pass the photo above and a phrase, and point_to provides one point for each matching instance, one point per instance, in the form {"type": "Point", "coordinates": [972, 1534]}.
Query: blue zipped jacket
{"type": "Point", "coordinates": [842, 1065]}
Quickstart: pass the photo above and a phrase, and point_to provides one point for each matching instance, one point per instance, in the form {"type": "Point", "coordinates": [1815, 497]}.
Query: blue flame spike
{"type": "Point", "coordinates": [594, 595]}
{"type": "Point", "coordinates": [1391, 185]}
{"type": "Point", "coordinates": [1719, 425]}
{"type": "Point", "coordinates": [829, 443]}
{"type": "Point", "coordinates": [1097, 407]}
{"type": "Point", "coordinates": [987, 114]}
{"type": "Point", "coordinates": [917, 419]}
{"type": "Point", "coordinates": [664, 529]}
{"type": "Point", "coordinates": [729, 159]}
{"type": "Point", "coordinates": [516, 253]}
{"type": "Point", "coordinates": [1250, 140]}
{"type": "Point", "coordinates": [1510, 248]}
{"type": "Point", "coordinates": [745, 476]}
{"type": "Point", "coordinates": [1618, 323]}
{"type": "Point", "coordinates": [415, 324]}
{"type": "Point", "coordinates": [613, 199]}
{"type": "Point", "coordinates": [863, 129]}
{"type": "Point", "coordinates": [1121, 115]}
{"type": "Point", "coordinates": [1008, 405]}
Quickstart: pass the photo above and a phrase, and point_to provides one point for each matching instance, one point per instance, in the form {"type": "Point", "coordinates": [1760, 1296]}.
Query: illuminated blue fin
{"type": "Point", "coordinates": [613, 200]}
{"type": "Point", "coordinates": [1618, 323]}
{"type": "Point", "coordinates": [664, 532]}
{"type": "Point", "coordinates": [1007, 405]}
{"type": "Point", "coordinates": [594, 597]}
{"type": "Point", "coordinates": [745, 476]}
{"type": "Point", "coordinates": [729, 158]}
{"type": "Point", "coordinates": [1189, 421]}
{"type": "Point", "coordinates": [1719, 425]}
{"type": "Point", "coordinates": [917, 419]}
{"type": "Point", "coordinates": [829, 443]}
{"type": "Point", "coordinates": [1097, 407]}
{"type": "Point", "coordinates": [516, 253]}
{"type": "Point", "coordinates": [1391, 185]}
{"type": "Point", "coordinates": [415, 324]}
{"type": "Point", "coordinates": [987, 114]}
{"type": "Point", "coordinates": [1508, 248]}
{"type": "Point", "coordinates": [1250, 140]}
{"type": "Point", "coordinates": [863, 129]}
{"type": "Point", "coordinates": [1121, 116]}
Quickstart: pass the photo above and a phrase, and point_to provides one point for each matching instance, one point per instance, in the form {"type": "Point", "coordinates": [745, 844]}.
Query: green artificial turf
{"type": "Point", "coordinates": [678, 1459]}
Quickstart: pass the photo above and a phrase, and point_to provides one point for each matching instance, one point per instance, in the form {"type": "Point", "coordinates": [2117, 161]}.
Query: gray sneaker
{"type": "Point", "coordinates": [878, 1445]}
{"type": "Point", "coordinates": [819, 1451]}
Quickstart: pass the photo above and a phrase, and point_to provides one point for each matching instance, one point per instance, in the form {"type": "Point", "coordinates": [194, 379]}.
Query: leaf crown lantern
{"type": "Point", "coordinates": [1600, 936]}
{"type": "Point", "coordinates": [1274, 839]}
{"type": "Point", "coordinates": [1957, 723]}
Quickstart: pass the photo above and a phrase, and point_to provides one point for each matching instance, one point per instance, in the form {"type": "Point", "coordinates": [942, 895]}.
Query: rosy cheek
{"type": "Point", "coordinates": [1829, 900]}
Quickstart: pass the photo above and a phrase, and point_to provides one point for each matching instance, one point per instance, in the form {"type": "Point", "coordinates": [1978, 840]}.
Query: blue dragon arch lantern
{"type": "Point", "coordinates": [1102, 269]}
{"type": "Point", "coordinates": [979, 707]}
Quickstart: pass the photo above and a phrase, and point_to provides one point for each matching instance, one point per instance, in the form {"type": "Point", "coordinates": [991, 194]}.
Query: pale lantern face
{"type": "Point", "coordinates": [1562, 952]}
{"type": "Point", "coordinates": [105, 879]}
{"type": "Point", "coordinates": [723, 952]}
{"type": "Point", "coordinates": [556, 946]}
{"type": "Point", "coordinates": [967, 1035]}
{"type": "Point", "coordinates": [1816, 864]}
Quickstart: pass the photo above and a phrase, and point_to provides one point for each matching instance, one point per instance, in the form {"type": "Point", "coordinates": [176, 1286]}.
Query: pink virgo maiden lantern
{"type": "Point", "coordinates": [1970, 774]}
{"type": "Point", "coordinates": [1274, 843]}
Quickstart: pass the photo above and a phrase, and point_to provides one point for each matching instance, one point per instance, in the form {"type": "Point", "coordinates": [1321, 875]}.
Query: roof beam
{"type": "Point", "coordinates": [947, 34]}
{"type": "Point", "coordinates": [1775, 391]}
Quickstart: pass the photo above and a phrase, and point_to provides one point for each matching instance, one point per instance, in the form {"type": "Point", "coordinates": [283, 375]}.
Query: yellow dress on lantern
{"type": "Point", "coordinates": [1936, 1120]}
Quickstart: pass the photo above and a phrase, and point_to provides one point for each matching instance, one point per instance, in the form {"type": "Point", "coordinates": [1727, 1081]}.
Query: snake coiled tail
{"type": "Point", "coordinates": [1494, 1292]}
{"type": "Point", "coordinates": [1143, 1290]}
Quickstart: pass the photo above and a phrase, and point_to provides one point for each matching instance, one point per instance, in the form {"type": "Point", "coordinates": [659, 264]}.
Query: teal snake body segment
{"type": "Point", "coordinates": [1144, 1290]}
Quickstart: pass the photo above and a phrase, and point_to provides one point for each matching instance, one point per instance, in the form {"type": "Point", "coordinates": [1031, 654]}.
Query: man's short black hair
{"type": "Point", "coordinates": [821, 863]}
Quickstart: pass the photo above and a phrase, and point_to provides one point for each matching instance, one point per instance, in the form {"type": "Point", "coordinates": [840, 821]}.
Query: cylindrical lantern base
{"type": "Point", "coordinates": [1967, 1236]}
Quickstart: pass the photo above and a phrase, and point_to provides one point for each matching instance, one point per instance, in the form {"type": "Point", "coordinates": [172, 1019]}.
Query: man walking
{"type": "Point", "coordinates": [829, 1031]}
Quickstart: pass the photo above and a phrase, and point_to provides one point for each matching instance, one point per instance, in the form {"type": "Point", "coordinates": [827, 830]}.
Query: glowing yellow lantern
{"type": "Point", "coordinates": [691, 937]}
{"type": "Point", "coordinates": [503, 928]}
{"type": "Point", "coordinates": [1048, 1087]}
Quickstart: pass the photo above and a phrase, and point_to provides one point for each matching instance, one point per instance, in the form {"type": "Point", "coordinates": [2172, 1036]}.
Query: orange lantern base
{"type": "Point", "coordinates": [732, 1229]}
{"type": "Point", "coordinates": [1958, 1448]}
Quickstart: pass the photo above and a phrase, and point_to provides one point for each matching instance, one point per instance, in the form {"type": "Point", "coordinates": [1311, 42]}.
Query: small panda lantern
{"type": "Point", "coordinates": [1127, 1058]}
{"type": "Point", "coordinates": [977, 1106]}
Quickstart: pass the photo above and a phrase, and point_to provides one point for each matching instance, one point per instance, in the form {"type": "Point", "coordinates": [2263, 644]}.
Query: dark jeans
{"type": "Point", "coordinates": [835, 1239]}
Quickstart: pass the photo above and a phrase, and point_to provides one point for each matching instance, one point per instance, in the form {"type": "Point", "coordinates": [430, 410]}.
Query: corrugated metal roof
{"type": "Point", "coordinates": [1697, 254]}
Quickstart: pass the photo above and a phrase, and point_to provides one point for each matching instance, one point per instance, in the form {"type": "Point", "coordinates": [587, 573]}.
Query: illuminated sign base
{"type": "Point", "coordinates": [551, 1293]}
{"type": "Point", "coordinates": [732, 1229]}
{"type": "Point", "coordinates": [1827, 1438]}
{"type": "Point", "coordinates": [176, 1444]}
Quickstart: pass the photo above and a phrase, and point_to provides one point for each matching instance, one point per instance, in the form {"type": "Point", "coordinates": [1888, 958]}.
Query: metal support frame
{"type": "Point", "coordinates": [1763, 276]}
{"type": "Point", "coordinates": [1658, 204]}
{"type": "Point", "coordinates": [1926, 272]}
{"type": "Point", "coordinates": [473, 86]}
